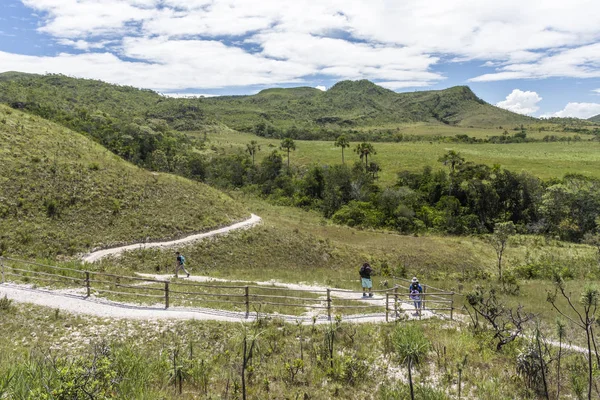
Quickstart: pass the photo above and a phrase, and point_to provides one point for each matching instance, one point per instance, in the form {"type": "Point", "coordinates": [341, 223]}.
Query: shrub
{"type": "Point", "coordinates": [51, 206]}
{"type": "Point", "coordinates": [5, 303]}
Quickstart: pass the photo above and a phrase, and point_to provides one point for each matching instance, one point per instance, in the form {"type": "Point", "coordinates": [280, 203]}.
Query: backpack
{"type": "Point", "coordinates": [181, 260]}
{"type": "Point", "coordinates": [365, 271]}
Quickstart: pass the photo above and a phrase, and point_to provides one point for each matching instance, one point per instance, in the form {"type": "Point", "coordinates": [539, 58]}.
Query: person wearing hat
{"type": "Point", "coordinates": [415, 291]}
{"type": "Point", "coordinates": [365, 279]}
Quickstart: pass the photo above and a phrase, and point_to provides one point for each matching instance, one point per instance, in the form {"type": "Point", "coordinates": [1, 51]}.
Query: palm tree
{"type": "Point", "coordinates": [412, 346]}
{"type": "Point", "coordinates": [342, 142]}
{"type": "Point", "coordinates": [252, 148]}
{"type": "Point", "coordinates": [451, 159]}
{"type": "Point", "coordinates": [365, 149]}
{"type": "Point", "coordinates": [288, 145]}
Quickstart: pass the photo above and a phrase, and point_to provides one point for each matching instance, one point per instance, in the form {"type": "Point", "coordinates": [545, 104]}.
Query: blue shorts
{"type": "Point", "coordinates": [366, 283]}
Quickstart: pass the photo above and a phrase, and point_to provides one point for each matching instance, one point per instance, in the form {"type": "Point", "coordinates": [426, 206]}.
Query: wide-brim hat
{"type": "Point", "coordinates": [415, 279]}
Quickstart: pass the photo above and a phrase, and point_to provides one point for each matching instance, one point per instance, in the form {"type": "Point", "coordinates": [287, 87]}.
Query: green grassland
{"type": "Point", "coordinates": [545, 160]}
{"type": "Point", "coordinates": [432, 131]}
{"type": "Point", "coordinates": [61, 193]}
{"type": "Point", "coordinates": [45, 354]}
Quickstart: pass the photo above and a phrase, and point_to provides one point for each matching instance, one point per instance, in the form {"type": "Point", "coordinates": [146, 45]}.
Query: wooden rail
{"type": "Point", "coordinates": [246, 296]}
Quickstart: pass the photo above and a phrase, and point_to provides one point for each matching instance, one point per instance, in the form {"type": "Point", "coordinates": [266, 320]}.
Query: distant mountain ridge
{"type": "Point", "coordinates": [358, 104]}
{"type": "Point", "coordinates": [595, 119]}
{"type": "Point", "coordinates": [346, 105]}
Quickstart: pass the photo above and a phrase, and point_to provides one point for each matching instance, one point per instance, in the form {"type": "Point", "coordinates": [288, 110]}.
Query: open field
{"type": "Point", "coordinates": [545, 160]}
{"type": "Point", "coordinates": [429, 130]}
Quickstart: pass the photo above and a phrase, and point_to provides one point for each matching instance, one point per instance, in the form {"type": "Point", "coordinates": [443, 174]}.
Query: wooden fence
{"type": "Point", "coordinates": [393, 302]}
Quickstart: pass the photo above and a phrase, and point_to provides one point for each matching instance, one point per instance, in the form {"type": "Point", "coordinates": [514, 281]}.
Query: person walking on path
{"type": "Point", "coordinates": [180, 265]}
{"type": "Point", "coordinates": [365, 278]}
{"type": "Point", "coordinates": [416, 291]}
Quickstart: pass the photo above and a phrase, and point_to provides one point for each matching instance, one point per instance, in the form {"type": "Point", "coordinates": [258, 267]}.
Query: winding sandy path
{"type": "Point", "coordinates": [97, 255]}
{"type": "Point", "coordinates": [74, 300]}
{"type": "Point", "coordinates": [405, 306]}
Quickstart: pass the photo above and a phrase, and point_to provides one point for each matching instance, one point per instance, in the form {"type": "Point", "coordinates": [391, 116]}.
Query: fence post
{"type": "Point", "coordinates": [452, 306]}
{"type": "Point", "coordinates": [329, 304]}
{"type": "Point", "coordinates": [387, 306]}
{"type": "Point", "coordinates": [87, 283]}
{"type": "Point", "coordinates": [2, 266]}
{"type": "Point", "coordinates": [166, 295]}
{"type": "Point", "coordinates": [396, 301]}
{"type": "Point", "coordinates": [424, 296]}
{"type": "Point", "coordinates": [247, 299]}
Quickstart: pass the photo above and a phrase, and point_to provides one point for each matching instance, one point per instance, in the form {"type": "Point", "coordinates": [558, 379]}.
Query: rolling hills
{"type": "Point", "coordinates": [356, 105]}
{"type": "Point", "coordinates": [62, 193]}
{"type": "Point", "coordinates": [595, 119]}
{"type": "Point", "coordinates": [81, 104]}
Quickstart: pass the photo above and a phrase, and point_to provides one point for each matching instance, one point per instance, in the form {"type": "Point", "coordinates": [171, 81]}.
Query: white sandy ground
{"type": "Point", "coordinates": [405, 307]}
{"type": "Point", "coordinates": [74, 300]}
{"type": "Point", "coordinates": [97, 255]}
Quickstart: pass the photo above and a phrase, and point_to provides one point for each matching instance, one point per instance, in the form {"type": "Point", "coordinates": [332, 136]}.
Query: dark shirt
{"type": "Point", "coordinates": [365, 272]}
{"type": "Point", "coordinates": [416, 287]}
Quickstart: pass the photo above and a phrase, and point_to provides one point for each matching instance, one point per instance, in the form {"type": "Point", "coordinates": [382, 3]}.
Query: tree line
{"type": "Point", "coordinates": [460, 198]}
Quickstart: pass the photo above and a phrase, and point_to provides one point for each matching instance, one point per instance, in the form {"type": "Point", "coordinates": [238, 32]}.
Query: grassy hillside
{"type": "Point", "coordinates": [61, 193]}
{"type": "Point", "coordinates": [595, 119]}
{"type": "Point", "coordinates": [348, 105]}
{"type": "Point", "coordinates": [356, 104]}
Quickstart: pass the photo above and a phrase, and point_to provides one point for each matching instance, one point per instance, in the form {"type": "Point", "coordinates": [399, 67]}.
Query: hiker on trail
{"type": "Point", "coordinates": [415, 291]}
{"type": "Point", "coordinates": [180, 265]}
{"type": "Point", "coordinates": [365, 278]}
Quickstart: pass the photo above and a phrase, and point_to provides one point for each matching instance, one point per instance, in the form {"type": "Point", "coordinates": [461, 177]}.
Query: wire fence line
{"type": "Point", "coordinates": [394, 302]}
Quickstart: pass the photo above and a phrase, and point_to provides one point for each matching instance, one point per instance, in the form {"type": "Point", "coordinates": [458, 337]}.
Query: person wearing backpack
{"type": "Point", "coordinates": [365, 279]}
{"type": "Point", "coordinates": [415, 291]}
{"type": "Point", "coordinates": [180, 265]}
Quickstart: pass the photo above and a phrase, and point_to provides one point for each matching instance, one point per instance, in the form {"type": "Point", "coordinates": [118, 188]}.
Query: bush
{"type": "Point", "coordinates": [358, 213]}
{"type": "Point", "coordinates": [5, 303]}
{"type": "Point", "coordinates": [51, 206]}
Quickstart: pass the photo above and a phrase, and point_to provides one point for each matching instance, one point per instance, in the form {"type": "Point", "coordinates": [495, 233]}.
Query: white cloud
{"type": "Point", "coordinates": [596, 91]}
{"type": "Point", "coordinates": [577, 110]}
{"type": "Point", "coordinates": [521, 102]}
{"type": "Point", "coordinates": [83, 44]}
{"type": "Point", "coordinates": [403, 84]}
{"type": "Point", "coordinates": [271, 41]}
{"type": "Point", "coordinates": [321, 88]}
{"type": "Point", "coordinates": [580, 62]}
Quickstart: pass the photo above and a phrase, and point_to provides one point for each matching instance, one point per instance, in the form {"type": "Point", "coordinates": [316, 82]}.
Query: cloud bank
{"type": "Point", "coordinates": [179, 44]}
{"type": "Point", "coordinates": [521, 102]}
{"type": "Point", "coordinates": [577, 110]}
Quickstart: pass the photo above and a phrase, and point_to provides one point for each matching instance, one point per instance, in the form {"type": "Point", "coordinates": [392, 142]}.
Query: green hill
{"type": "Point", "coordinates": [356, 105]}
{"type": "Point", "coordinates": [595, 119]}
{"type": "Point", "coordinates": [141, 126]}
{"type": "Point", "coordinates": [61, 193]}
{"type": "Point", "coordinates": [95, 107]}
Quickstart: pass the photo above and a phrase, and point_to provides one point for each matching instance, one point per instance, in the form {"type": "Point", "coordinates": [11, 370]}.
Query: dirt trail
{"type": "Point", "coordinates": [76, 303]}
{"type": "Point", "coordinates": [97, 255]}
{"type": "Point", "coordinates": [405, 306]}
{"type": "Point", "coordinates": [74, 300]}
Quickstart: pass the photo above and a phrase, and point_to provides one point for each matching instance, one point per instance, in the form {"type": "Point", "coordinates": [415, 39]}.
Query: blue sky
{"type": "Point", "coordinates": [539, 57]}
